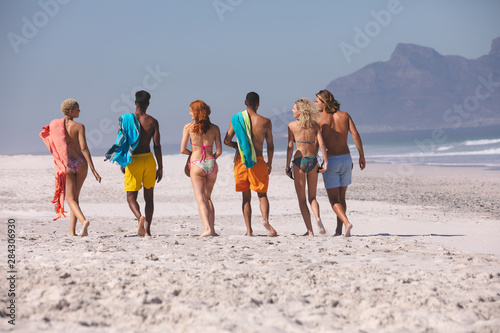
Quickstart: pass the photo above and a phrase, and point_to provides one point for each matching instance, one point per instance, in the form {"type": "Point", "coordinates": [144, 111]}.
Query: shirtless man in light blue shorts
{"type": "Point", "coordinates": [335, 126]}
{"type": "Point", "coordinates": [339, 173]}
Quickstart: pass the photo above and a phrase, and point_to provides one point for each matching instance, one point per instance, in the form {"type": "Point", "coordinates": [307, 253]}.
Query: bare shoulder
{"type": "Point", "coordinates": [340, 117]}
{"type": "Point", "coordinates": [148, 121]}
{"type": "Point", "coordinates": [215, 128]}
{"type": "Point", "coordinates": [259, 117]}
{"type": "Point", "coordinates": [145, 116]}
{"type": "Point", "coordinates": [343, 114]}
{"type": "Point", "coordinates": [77, 126]}
{"type": "Point", "coordinates": [152, 119]}
{"type": "Point", "coordinates": [268, 125]}
{"type": "Point", "coordinates": [292, 124]}
{"type": "Point", "coordinates": [266, 121]}
{"type": "Point", "coordinates": [260, 122]}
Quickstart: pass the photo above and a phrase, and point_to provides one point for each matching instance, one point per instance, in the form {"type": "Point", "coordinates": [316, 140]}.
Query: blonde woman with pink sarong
{"type": "Point", "coordinates": [66, 140]}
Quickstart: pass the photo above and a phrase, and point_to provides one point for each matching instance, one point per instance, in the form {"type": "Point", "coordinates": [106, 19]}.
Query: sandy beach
{"type": "Point", "coordinates": [424, 255]}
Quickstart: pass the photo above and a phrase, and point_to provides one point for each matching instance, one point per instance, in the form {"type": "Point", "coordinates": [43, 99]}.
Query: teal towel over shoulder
{"type": "Point", "coordinates": [243, 131]}
{"type": "Point", "coordinates": [129, 133]}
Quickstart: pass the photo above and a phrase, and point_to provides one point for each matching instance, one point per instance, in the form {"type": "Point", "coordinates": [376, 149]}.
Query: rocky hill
{"type": "Point", "coordinates": [418, 88]}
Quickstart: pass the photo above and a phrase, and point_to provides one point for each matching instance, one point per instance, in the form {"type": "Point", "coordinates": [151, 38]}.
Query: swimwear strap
{"type": "Point", "coordinates": [202, 150]}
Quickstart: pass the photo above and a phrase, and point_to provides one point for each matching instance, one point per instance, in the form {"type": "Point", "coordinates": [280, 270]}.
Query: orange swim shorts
{"type": "Point", "coordinates": [255, 178]}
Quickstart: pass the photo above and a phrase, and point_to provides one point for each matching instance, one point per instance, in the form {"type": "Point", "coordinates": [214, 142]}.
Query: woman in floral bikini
{"type": "Point", "coordinates": [203, 166]}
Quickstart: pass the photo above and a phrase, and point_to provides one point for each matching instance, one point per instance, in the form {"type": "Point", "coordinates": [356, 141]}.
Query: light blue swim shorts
{"type": "Point", "coordinates": [339, 171]}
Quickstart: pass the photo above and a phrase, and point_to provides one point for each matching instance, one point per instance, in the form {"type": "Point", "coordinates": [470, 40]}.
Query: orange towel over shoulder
{"type": "Point", "coordinates": [54, 137]}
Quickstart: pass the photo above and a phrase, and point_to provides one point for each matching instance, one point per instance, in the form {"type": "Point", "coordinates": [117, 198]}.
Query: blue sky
{"type": "Point", "coordinates": [100, 52]}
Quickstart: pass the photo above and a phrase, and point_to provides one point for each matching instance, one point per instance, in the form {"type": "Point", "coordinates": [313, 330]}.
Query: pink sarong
{"type": "Point", "coordinates": [54, 137]}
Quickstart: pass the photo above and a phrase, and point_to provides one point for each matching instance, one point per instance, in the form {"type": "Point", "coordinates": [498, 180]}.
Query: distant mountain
{"type": "Point", "coordinates": [418, 88]}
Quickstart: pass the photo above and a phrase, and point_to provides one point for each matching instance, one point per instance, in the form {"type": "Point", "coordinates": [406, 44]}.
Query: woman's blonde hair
{"type": "Point", "coordinates": [307, 111]}
{"type": "Point", "coordinates": [331, 104]}
{"type": "Point", "coordinates": [68, 105]}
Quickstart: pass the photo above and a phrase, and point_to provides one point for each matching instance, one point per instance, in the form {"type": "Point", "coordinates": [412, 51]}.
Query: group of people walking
{"type": "Point", "coordinates": [320, 126]}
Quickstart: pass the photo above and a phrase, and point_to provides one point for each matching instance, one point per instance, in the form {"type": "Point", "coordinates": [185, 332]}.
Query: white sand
{"type": "Point", "coordinates": [424, 256]}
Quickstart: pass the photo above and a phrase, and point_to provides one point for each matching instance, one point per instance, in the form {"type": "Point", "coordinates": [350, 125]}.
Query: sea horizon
{"type": "Point", "coordinates": [471, 146]}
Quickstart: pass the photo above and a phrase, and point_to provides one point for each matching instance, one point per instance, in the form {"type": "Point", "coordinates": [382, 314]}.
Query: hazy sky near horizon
{"type": "Point", "coordinates": [101, 52]}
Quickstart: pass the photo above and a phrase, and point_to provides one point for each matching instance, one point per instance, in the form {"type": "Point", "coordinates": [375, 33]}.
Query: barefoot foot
{"type": "Point", "coordinates": [206, 233]}
{"type": "Point", "coordinates": [270, 230]}
{"type": "Point", "coordinates": [321, 227]}
{"type": "Point", "coordinates": [348, 231]}
{"type": "Point", "coordinates": [141, 231]}
{"type": "Point", "coordinates": [85, 229]}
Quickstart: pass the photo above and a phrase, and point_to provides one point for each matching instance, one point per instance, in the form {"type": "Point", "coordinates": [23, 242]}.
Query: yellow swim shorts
{"type": "Point", "coordinates": [140, 172]}
{"type": "Point", "coordinates": [255, 178]}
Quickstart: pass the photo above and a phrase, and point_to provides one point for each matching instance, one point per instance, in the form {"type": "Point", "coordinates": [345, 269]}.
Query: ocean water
{"type": "Point", "coordinates": [472, 146]}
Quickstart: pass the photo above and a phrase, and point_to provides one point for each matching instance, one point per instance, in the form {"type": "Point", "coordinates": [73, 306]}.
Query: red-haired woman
{"type": "Point", "coordinates": [203, 166]}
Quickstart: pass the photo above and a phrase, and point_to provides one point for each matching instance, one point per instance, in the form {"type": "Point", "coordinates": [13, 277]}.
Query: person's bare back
{"type": "Point", "coordinates": [149, 126]}
{"type": "Point", "coordinates": [334, 129]}
{"type": "Point", "coordinates": [73, 132]}
{"type": "Point", "coordinates": [302, 137]}
{"type": "Point", "coordinates": [261, 130]}
{"type": "Point", "coordinates": [207, 140]}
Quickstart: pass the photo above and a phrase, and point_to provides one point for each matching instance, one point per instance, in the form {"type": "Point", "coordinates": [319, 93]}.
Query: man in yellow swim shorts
{"type": "Point", "coordinates": [142, 171]}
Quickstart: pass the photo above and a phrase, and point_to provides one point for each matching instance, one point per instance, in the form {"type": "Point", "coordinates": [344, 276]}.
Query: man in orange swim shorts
{"type": "Point", "coordinates": [251, 171]}
{"type": "Point", "coordinates": [255, 178]}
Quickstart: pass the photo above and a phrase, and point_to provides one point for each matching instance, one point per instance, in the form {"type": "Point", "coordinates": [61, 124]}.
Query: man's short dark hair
{"type": "Point", "coordinates": [252, 99]}
{"type": "Point", "coordinates": [142, 97]}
